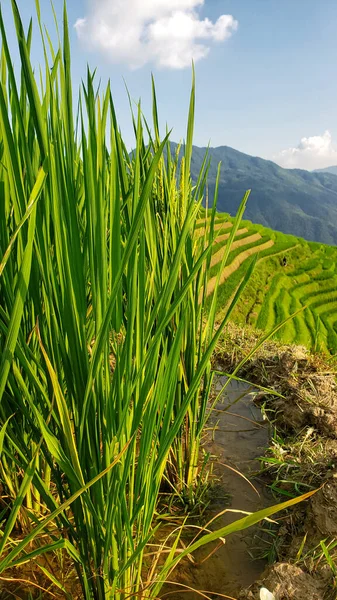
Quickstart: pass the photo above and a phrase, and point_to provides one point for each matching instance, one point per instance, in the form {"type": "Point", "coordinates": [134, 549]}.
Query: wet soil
{"type": "Point", "coordinates": [236, 437]}
{"type": "Point", "coordinates": [302, 454]}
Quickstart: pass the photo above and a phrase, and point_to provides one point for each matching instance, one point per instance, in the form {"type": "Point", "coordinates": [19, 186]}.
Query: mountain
{"type": "Point", "coordinates": [294, 201]}
{"type": "Point", "coordinates": [332, 170]}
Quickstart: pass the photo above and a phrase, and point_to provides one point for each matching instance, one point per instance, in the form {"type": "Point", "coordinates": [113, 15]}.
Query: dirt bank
{"type": "Point", "coordinates": [302, 455]}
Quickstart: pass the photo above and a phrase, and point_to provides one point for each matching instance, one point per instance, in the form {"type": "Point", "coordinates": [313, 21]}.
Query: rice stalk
{"type": "Point", "coordinates": [105, 345]}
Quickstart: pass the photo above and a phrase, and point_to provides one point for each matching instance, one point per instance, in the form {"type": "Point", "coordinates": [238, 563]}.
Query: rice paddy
{"type": "Point", "coordinates": [291, 274]}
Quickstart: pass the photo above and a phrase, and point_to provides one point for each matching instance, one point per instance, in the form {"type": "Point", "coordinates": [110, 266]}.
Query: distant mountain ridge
{"type": "Point", "coordinates": [294, 201]}
{"type": "Point", "coordinates": [332, 170]}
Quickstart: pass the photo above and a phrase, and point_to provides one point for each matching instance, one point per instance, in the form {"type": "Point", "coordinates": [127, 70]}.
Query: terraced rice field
{"type": "Point", "coordinates": [290, 274]}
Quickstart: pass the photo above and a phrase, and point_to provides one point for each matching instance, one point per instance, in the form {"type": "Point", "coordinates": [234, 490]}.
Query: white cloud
{"type": "Point", "coordinates": [315, 152]}
{"type": "Point", "coordinates": [168, 33]}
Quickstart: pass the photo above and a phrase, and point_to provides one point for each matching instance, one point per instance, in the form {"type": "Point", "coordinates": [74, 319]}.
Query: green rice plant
{"type": "Point", "coordinates": [278, 248]}
{"type": "Point", "coordinates": [282, 311]}
{"type": "Point", "coordinates": [308, 285]}
{"type": "Point", "coordinates": [328, 263]}
{"type": "Point", "coordinates": [302, 336]}
{"type": "Point", "coordinates": [310, 324]}
{"type": "Point", "coordinates": [105, 341]}
{"type": "Point", "coordinates": [266, 315]}
{"type": "Point", "coordinates": [328, 302]}
{"type": "Point", "coordinates": [315, 292]}
{"type": "Point", "coordinates": [324, 275]}
{"type": "Point", "coordinates": [279, 306]}
{"type": "Point", "coordinates": [308, 266]}
{"type": "Point", "coordinates": [331, 336]}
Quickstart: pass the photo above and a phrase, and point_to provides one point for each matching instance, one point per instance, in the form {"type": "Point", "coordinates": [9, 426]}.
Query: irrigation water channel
{"type": "Point", "coordinates": [236, 437]}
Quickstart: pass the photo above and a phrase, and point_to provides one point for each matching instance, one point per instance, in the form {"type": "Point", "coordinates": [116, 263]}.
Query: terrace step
{"type": "Point", "coordinates": [238, 260]}
{"type": "Point", "coordinates": [218, 256]}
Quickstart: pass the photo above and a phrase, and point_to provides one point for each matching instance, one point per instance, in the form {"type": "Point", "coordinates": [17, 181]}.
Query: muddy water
{"type": "Point", "coordinates": [238, 438]}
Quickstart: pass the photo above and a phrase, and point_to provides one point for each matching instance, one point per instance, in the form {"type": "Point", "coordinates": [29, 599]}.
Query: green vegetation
{"type": "Point", "coordinates": [105, 341]}
{"type": "Point", "coordinates": [291, 274]}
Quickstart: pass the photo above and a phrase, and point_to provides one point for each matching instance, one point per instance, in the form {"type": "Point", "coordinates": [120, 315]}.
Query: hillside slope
{"type": "Point", "coordinates": [294, 201]}
{"type": "Point", "coordinates": [332, 170]}
{"type": "Point", "coordinates": [291, 274]}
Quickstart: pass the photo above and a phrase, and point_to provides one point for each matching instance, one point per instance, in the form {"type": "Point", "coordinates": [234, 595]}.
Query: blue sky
{"type": "Point", "coordinates": [262, 87]}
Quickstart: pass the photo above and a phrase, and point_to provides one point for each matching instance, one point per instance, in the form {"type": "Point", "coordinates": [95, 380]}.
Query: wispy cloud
{"type": "Point", "coordinates": [315, 152]}
{"type": "Point", "coordinates": [167, 33]}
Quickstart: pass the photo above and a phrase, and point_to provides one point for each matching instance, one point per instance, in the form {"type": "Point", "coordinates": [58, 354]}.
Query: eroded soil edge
{"type": "Point", "coordinates": [302, 455]}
